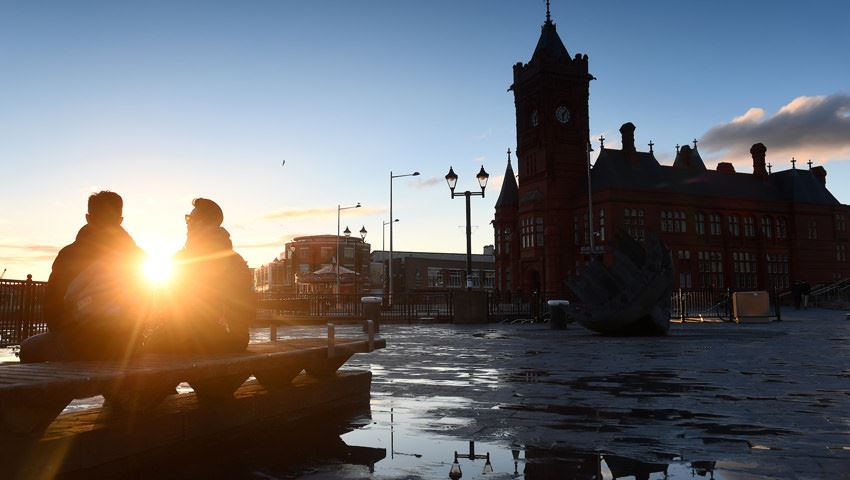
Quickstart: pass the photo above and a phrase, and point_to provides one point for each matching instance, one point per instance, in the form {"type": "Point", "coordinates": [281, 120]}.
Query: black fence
{"type": "Point", "coordinates": [20, 310]}
{"type": "Point", "coordinates": [402, 307]}
{"type": "Point", "coordinates": [713, 303]}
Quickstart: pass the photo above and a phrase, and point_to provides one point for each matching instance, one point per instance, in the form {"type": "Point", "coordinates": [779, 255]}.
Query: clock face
{"type": "Point", "coordinates": [562, 114]}
{"type": "Point", "coordinates": [535, 118]}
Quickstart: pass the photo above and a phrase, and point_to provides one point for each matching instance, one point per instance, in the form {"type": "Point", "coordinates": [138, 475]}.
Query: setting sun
{"type": "Point", "coordinates": [157, 267]}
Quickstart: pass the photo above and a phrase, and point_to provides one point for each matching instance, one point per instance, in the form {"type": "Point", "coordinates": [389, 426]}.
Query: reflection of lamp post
{"type": "Point", "coordinates": [393, 177]}
{"type": "Point", "coordinates": [455, 473]}
{"type": "Point", "coordinates": [338, 210]}
{"type": "Point", "coordinates": [451, 179]}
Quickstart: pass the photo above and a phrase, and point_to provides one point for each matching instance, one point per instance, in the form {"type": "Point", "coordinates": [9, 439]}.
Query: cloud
{"type": "Point", "coordinates": [483, 135]}
{"type": "Point", "coordinates": [479, 159]}
{"type": "Point", "coordinates": [319, 213]}
{"type": "Point", "coordinates": [26, 259]}
{"type": "Point", "coordinates": [275, 243]}
{"type": "Point", "coordinates": [816, 128]}
{"type": "Point", "coordinates": [31, 248]}
{"type": "Point", "coordinates": [427, 182]}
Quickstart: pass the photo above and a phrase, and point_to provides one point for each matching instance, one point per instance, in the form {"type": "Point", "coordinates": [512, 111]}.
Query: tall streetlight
{"type": "Point", "coordinates": [451, 179]}
{"type": "Point", "coordinates": [363, 233]}
{"type": "Point", "coordinates": [384, 235]}
{"type": "Point", "coordinates": [393, 177]}
{"type": "Point", "coordinates": [339, 209]}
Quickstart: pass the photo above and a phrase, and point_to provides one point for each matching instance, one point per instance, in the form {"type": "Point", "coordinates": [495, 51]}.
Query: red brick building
{"type": "Point", "coordinates": [742, 230]}
{"type": "Point", "coordinates": [310, 257]}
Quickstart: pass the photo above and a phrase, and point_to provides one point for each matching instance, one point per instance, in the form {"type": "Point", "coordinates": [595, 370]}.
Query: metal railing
{"type": "Point", "coordinates": [701, 303]}
{"type": "Point", "coordinates": [20, 310]}
{"type": "Point", "coordinates": [405, 307]}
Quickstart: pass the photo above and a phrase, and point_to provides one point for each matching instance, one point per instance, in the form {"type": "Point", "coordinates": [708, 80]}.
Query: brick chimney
{"type": "Point", "coordinates": [819, 173]}
{"type": "Point", "coordinates": [628, 133]}
{"type": "Point", "coordinates": [725, 167]}
{"type": "Point", "coordinates": [759, 151]}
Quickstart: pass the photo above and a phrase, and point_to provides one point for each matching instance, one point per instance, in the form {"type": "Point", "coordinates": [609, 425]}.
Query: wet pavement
{"type": "Point", "coordinates": [751, 401]}
{"type": "Point", "coordinates": [709, 400]}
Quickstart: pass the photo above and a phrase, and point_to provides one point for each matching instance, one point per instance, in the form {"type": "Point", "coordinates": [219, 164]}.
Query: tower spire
{"type": "Point", "coordinates": [548, 16]}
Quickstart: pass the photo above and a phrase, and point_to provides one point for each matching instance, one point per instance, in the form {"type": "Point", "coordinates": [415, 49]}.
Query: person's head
{"type": "Point", "coordinates": [105, 208]}
{"type": "Point", "coordinates": [206, 214]}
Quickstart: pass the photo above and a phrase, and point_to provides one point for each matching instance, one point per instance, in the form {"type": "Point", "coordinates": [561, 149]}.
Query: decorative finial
{"type": "Point", "coordinates": [548, 17]}
{"type": "Point", "coordinates": [695, 144]}
{"type": "Point", "coordinates": [650, 146]}
{"type": "Point", "coordinates": [769, 167]}
{"type": "Point", "coordinates": [794, 163]}
{"type": "Point", "coordinates": [509, 156]}
{"type": "Point", "coordinates": [677, 149]}
{"type": "Point", "coordinates": [601, 142]}
{"type": "Point", "coordinates": [810, 163]}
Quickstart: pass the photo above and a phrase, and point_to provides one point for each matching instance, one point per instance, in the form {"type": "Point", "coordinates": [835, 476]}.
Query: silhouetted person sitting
{"type": "Point", "coordinates": [90, 304]}
{"type": "Point", "coordinates": [213, 304]}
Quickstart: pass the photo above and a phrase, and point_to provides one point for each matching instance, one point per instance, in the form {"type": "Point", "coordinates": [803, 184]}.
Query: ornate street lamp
{"type": "Point", "coordinates": [451, 179]}
{"type": "Point", "coordinates": [339, 209]}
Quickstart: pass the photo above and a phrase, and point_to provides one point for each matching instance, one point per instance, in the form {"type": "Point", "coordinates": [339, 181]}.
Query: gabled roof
{"type": "Point", "coordinates": [509, 195]}
{"type": "Point", "coordinates": [688, 157]}
{"type": "Point", "coordinates": [615, 169]}
{"type": "Point", "coordinates": [549, 43]}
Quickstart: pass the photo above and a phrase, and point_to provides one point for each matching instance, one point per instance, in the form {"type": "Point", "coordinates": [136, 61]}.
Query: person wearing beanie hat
{"type": "Point", "coordinates": [213, 303]}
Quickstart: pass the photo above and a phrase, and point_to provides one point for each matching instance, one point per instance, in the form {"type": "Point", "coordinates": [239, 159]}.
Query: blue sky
{"type": "Point", "coordinates": [166, 101]}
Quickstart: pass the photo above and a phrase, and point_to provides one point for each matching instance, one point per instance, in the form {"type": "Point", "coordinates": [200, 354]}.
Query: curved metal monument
{"type": "Point", "coordinates": [629, 297]}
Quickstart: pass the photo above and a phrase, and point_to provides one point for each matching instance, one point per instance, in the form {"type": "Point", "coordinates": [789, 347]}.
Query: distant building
{"type": "Point", "coordinates": [724, 228]}
{"type": "Point", "coordinates": [311, 258]}
{"type": "Point", "coordinates": [432, 271]}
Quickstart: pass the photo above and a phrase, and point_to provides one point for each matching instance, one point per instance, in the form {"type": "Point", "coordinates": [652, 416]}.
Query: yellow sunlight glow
{"type": "Point", "coordinates": [157, 267]}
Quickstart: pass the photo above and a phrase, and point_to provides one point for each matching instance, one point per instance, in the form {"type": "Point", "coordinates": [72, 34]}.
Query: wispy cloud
{"type": "Point", "coordinates": [427, 182]}
{"type": "Point", "coordinates": [479, 159]}
{"type": "Point", "coordinates": [815, 128]}
{"type": "Point", "coordinates": [31, 248]}
{"type": "Point", "coordinates": [26, 259]}
{"type": "Point", "coordinates": [483, 135]}
{"type": "Point", "coordinates": [318, 213]}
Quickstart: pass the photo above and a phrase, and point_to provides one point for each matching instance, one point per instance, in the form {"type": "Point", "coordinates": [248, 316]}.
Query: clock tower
{"type": "Point", "coordinates": [551, 94]}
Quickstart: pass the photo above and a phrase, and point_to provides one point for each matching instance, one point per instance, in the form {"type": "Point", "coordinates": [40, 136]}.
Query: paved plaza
{"type": "Point", "coordinates": [765, 400]}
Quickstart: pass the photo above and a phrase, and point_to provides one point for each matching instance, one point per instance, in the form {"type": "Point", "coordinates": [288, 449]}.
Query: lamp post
{"type": "Point", "coordinates": [451, 179]}
{"type": "Point", "coordinates": [357, 265]}
{"type": "Point", "coordinates": [384, 235]}
{"type": "Point", "coordinates": [393, 177]}
{"type": "Point", "coordinates": [339, 209]}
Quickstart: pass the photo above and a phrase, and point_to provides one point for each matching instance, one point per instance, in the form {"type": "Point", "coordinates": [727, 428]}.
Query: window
{"type": "Point", "coordinates": [326, 254]}
{"type": "Point", "coordinates": [507, 278]}
{"type": "Point", "coordinates": [497, 240]}
{"type": "Point", "coordinates": [435, 277]}
{"type": "Point", "coordinates": [839, 222]}
{"type": "Point", "coordinates": [455, 278]}
{"type": "Point", "coordinates": [303, 253]}
{"type": "Point", "coordinates": [633, 220]}
{"type": "Point", "coordinates": [601, 225]}
{"type": "Point", "coordinates": [348, 253]}
{"type": "Point", "coordinates": [744, 267]}
{"type": "Point", "coordinates": [699, 223]}
{"type": "Point", "coordinates": [489, 279]}
{"type": "Point", "coordinates": [714, 224]}
{"type": "Point", "coordinates": [684, 254]}
{"type": "Point", "coordinates": [767, 227]}
{"type": "Point", "coordinates": [673, 221]}
{"type": "Point", "coordinates": [749, 227]}
{"type": "Point", "coordinates": [538, 232]}
{"type": "Point", "coordinates": [304, 268]}
{"type": "Point", "coordinates": [841, 253]}
{"type": "Point", "coordinates": [813, 230]}
{"type": "Point", "coordinates": [777, 270]}
{"type": "Point", "coordinates": [710, 265]}
{"type": "Point", "coordinates": [734, 225]}
{"type": "Point", "coordinates": [781, 227]}
{"type": "Point", "coordinates": [506, 240]}
{"type": "Point", "coordinates": [685, 280]}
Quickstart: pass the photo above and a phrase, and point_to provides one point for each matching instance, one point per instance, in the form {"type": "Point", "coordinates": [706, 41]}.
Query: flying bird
{"type": "Point", "coordinates": [283, 163]}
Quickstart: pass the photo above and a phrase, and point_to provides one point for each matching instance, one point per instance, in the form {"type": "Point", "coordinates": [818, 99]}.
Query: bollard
{"type": "Point", "coordinates": [331, 351]}
{"type": "Point", "coordinates": [371, 311]}
{"type": "Point", "coordinates": [273, 332]}
{"type": "Point", "coordinates": [370, 329]}
{"type": "Point", "coordinates": [558, 314]}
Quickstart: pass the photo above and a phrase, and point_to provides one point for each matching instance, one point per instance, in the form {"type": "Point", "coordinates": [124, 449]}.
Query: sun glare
{"type": "Point", "coordinates": [157, 268]}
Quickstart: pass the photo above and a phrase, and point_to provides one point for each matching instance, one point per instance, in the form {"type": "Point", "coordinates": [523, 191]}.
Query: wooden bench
{"type": "Point", "coordinates": [33, 395]}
